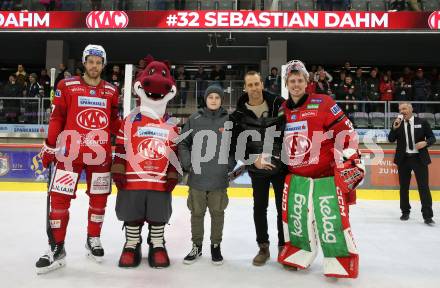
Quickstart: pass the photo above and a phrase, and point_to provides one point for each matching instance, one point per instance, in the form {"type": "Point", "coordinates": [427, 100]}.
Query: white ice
{"type": "Point", "coordinates": [392, 253]}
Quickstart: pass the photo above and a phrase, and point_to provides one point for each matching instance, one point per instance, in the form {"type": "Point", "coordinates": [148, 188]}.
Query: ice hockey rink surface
{"type": "Point", "coordinates": [392, 253]}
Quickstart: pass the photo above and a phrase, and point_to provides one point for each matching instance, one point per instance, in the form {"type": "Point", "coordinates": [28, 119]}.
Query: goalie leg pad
{"type": "Point", "coordinates": [298, 221]}
{"type": "Point", "coordinates": [341, 259]}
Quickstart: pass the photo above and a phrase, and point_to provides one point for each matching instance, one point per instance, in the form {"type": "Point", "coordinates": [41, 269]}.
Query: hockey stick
{"type": "Point", "coordinates": [49, 178]}
{"type": "Point", "coordinates": [237, 172]}
{"type": "Point", "coordinates": [48, 228]}
{"type": "Point", "coordinates": [128, 81]}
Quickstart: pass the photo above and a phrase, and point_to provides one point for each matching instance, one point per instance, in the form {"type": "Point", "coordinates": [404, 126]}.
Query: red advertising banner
{"type": "Point", "coordinates": [384, 173]}
{"type": "Point", "coordinates": [307, 20]}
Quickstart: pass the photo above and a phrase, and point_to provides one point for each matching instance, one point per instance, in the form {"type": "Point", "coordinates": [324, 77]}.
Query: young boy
{"type": "Point", "coordinates": [207, 180]}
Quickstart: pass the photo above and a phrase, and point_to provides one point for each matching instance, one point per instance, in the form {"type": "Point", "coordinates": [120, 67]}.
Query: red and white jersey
{"type": "Point", "coordinates": [148, 148]}
{"type": "Point", "coordinates": [84, 109]}
{"type": "Point", "coordinates": [313, 126]}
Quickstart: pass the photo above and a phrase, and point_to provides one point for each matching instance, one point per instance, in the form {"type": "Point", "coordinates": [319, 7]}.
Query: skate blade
{"type": "Point", "coordinates": [54, 266]}
{"type": "Point", "coordinates": [96, 259]}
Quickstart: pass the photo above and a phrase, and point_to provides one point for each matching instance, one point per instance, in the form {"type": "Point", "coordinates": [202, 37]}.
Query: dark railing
{"type": "Point", "coordinates": [190, 96]}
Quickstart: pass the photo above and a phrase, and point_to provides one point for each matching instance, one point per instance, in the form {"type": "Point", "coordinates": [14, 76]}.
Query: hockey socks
{"type": "Point", "coordinates": [59, 216]}
{"type": "Point", "coordinates": [97, 204]}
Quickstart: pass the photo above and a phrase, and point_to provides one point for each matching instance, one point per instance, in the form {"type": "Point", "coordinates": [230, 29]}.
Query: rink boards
{"type": "Point", "coordinates": [236, 192]}
{"type": "Point", "coordinates": [21, 170]}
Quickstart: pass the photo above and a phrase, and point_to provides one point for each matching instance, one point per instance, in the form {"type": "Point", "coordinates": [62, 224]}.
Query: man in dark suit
{"type": "Point", "coordinates": [414, 136]}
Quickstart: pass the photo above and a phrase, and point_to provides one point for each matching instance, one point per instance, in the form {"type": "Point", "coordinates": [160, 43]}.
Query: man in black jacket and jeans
{"type": "Point", "coordinates": [257, 113]}
{"type": "Point", "coordinates": [414, 136]}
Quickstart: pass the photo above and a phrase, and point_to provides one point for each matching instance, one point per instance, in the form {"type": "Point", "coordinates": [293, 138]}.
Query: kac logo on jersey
{"type": "Point", "coordinates": [293, 117]}
{"type": "Point", "coordinates": [92, 119]}
{"type": "Point", "coordinates": [152, 149]}
{"type": "Point", "coordinates": [297, 145]}
{"type": "Point", "coordinates": [84, 101]}
{"type": "Point", "coordinates": [58, 93]}
{"type": "Point", "coordinates": [335, 109]}
{"type": "Point", "coordinates": [92, 92]}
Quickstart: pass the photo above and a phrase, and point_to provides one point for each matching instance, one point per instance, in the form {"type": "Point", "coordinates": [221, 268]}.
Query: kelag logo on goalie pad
{"type": "Point", "coordinates": [297, 207]}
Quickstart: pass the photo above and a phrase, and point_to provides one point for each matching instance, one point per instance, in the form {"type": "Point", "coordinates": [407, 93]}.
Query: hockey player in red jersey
{"type": "Point", "coordinates": [144, 168]}
{"type": "Point", "coordinates": [324, 166]}
{"type": "Point", "coordinates": [85, 112]}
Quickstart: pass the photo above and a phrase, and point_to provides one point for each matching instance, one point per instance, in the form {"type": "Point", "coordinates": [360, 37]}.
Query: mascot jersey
{"type": "Point", "coordinates": [84, 109]}
{"type": "Point", "coordinates": [149, 150]}
{"type": "Point", "coordinates": [312, 127]}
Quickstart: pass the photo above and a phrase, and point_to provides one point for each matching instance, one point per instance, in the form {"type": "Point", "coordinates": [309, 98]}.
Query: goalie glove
{"type": "Point", "coordinates": [350, 173]}
{"type": "Point", "coordinates": [47, 154]}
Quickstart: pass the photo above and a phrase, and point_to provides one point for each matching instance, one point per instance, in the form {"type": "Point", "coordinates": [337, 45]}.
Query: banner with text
{"type": "Point", "coordinates": [22, 163]}
{"type": "Point", "coordinates": [307, 20]}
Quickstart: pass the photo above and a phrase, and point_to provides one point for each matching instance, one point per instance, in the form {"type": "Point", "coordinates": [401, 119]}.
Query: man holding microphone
{"type": "Point", "coordinates": [414, 136]}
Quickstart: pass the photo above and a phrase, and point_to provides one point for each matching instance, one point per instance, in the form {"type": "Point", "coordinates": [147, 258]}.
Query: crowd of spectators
{"type": "Point", "coordinates": [345, 83]}
{"type": "Point", "coordinates": [20, 91]}
{"type": "Point", "coordinates": [375, 84]}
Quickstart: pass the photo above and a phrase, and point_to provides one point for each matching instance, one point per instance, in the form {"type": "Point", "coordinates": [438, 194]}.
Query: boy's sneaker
{"type": "Point", "coordinates": [216, 254]}
{"type": "Point", "coordinates": [195, 253]}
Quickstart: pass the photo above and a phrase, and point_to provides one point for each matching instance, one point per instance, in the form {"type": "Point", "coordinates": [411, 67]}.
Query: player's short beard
{"type": "Point", "coordinates": [90, 76]}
